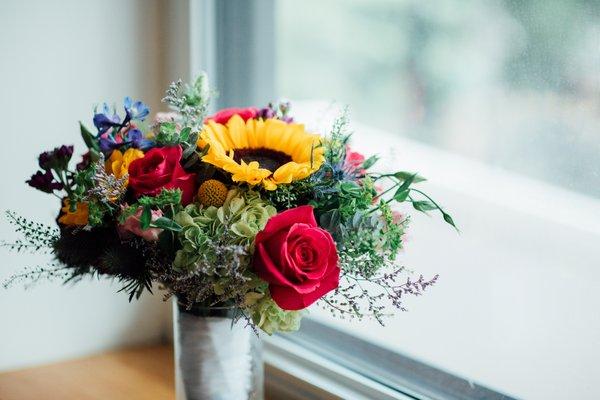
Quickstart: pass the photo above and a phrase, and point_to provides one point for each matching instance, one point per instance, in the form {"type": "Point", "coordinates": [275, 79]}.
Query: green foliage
{"type": "Point", "coordinates": [404, 192]}
{"type": "Point", "coordinates": [237, 222]}
{"type": "Point", "coordinates": [267, 316]}
{"type": "Point", "coordinates": [345, 199]}
{"type": "Point", "coordinates": [190, 101]}
{"type": "Point", "coordinates": [369, 242]}
{"type": "Point", "coordinates": [89, 139]}
{"type": "Point", "coordinates": [335, 144]}
{"type": "Point", "coordinates": [169, 134]}
{"type": "Point", "coordinates": [100, 190]}
{"type": "Point", "coordinates": [167, 200]}
{"type": "Point", "coordinates": [36, 236]}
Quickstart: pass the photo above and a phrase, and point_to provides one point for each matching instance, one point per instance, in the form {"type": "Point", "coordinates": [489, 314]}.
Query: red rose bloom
{"type": "Point", "coordinates": [297, 258]}
{"type": "Point", "coordinates": [225, 114]}
{"type": "Point", "coordinates": [158, 169]}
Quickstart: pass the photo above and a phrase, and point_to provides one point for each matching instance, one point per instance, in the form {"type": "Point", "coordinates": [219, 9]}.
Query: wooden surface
{"type": "Point", "coordinates": [140, 373]}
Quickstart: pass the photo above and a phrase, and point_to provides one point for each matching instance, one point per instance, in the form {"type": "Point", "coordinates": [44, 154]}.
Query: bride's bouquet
{"type": "Point", "coordinates": [243, 210]}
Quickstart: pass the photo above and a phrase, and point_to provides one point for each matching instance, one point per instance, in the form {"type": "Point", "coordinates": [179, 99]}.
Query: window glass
{"type": "Point", "coordinates": [513, 83]}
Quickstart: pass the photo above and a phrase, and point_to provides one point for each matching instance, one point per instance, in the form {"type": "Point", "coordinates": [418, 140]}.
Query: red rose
{"type": "Point", "coordinates": [222, 117]}
{"type": "Point", "coordinates": [297, 258]}
{"type": "Point", "coordinates": [158, 169]}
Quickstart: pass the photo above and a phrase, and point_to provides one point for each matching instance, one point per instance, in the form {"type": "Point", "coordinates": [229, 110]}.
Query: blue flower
{"type": "Point", "coordinates": [135, 110]}
{"type": "Point", "coordinates": [137, 139]}
{"type": "Point", "coordinates": [104, 121]}
{"type": "Point", "coordinates": [132, 137]}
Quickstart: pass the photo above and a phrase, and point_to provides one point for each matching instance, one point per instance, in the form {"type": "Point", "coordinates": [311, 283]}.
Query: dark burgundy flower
{"type": "Point", "coordinates": [45, 159]}
{"type": "Point", "coordinates": [85, 161]}
{"type": "Point", "coordinates": [44, 181]}
{"type": "Point", "coordinates": [56, 159]}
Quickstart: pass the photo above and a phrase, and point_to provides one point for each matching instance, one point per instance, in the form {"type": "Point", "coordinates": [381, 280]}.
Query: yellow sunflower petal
{"type": "Point", "coordinates": [289, 140]}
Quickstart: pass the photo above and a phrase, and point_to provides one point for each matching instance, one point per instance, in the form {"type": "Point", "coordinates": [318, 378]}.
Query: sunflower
{"type": "Point", "coordinates": [268, 152]}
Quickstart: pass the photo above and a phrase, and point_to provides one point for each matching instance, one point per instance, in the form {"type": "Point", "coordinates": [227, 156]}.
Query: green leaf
{"type": "Point", "coordinates": [167, 133]}
{"type": "Point", "coordinates": [146, 218]}
{"type": "Point", "coordinates": [166, 223]}
{"type": "Point", "coordinates": [424, 205]}
{"type": "Point", "coordinates": [350, 188]}
{"type": "Point", "coordinates": [94, 155]}
{"type": "Point", "coordinates": [191, 145]}
{"type": "Point", "coordinates": [369, 162]}
{"type": "Point", "coordinates": [404, 175]}
{"type": "Point", "coordinates": [330, 219]}
{"type": "Point", "coordinates": [89, 138]}
{"type": "Point", "coordinates": [406, 184]}
{"type": "Point", "coordinates": [184, 135]}
{"type": "Point", "coordinates": [449, 219]}
{"type": "Point", "coordinates": [401, 196]}
{"type": "Point", "coordinates": [193, 158]}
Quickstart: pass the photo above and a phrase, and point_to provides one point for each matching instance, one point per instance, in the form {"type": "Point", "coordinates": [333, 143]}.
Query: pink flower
{"type": "Point", "coordinates": [132, 225]}
{"type": "Point", "coordinates": [223, 116]}
{"type": "Point", "coordinates": [397, 216]}
{"type": "Point", "coordinates": [353, 162]}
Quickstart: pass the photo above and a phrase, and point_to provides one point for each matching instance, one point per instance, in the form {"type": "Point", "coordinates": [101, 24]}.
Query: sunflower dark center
{"type": "Point", "coordinates": [266, 158]}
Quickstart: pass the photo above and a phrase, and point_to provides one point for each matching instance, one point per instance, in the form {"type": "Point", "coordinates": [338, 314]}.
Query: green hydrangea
{"type": "Point", "coordinates": [267, 315]}
{"type": "Point", "coordinates": [205, 229]}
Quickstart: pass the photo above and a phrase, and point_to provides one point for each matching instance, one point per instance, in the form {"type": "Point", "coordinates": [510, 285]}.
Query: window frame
{"type": "Point", "coordinates": [321, 359]}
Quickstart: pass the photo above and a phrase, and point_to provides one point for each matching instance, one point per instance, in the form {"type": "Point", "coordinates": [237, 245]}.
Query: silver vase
{"type": "Point", "coordinates": [214, 358]}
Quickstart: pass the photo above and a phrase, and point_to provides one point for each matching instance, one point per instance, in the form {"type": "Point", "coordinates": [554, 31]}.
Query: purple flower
{"type": "Point", "coordinates": [126, 137]}
{"type": "Point", "coordinates": [108, 142]}
{"type": "Point", "coordinates": [280, 112]}
{"type": "Point", "coordinates": [44, 181]}
{"type": "Point", "coordinates": [104, 121]}
{"type": "Point", "coordinates": [137, 139]}
{"type": "Point", "coordinates": [266, 113]}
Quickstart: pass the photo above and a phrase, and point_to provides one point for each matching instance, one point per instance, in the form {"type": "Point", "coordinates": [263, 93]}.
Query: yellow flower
{"type": "Point", "coordinates": [268, 152]}
{"type": "Point", "coordinates": [77, 217]}
{"type": "Point", "coordinates": [212, 193]}
{"type": "Point", "coordinates": [118, 163]}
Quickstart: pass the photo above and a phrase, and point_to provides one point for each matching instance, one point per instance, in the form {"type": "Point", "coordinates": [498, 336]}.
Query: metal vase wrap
{"type": "Point", "coordinates": [214, 358]}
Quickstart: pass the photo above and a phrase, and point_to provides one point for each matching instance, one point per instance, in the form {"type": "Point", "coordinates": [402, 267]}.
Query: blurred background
{"type": "Point", "coordinates": [496, 102]}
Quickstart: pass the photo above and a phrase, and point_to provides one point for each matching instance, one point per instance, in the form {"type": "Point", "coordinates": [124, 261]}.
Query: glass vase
{"type": "Point", "coordinates": [215, 359]}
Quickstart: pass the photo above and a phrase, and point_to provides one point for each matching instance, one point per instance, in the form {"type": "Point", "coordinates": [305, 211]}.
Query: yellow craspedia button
{"type": "Point", "coordinates": [212, 193]}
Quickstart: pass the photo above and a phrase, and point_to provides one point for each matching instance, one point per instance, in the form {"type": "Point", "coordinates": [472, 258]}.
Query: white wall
{"type": "Point", "coordinates": [58, 59]}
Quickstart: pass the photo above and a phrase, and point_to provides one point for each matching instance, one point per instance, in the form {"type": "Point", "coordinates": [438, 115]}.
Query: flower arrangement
{"type": "Point", "coordinates": [243, 209]}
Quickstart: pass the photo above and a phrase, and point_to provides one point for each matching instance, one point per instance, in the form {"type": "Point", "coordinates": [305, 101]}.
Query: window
{"type": "Point", "coordinates": [513, 83]}
{"type": "Point", "coordinates": [497, 103]}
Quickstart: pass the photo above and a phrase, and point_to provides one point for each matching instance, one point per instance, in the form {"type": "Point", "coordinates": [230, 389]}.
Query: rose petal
{"type": "Point", "coordinates": [288, 298]}
{"type": "Point", "coordinates": [285, 219]}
